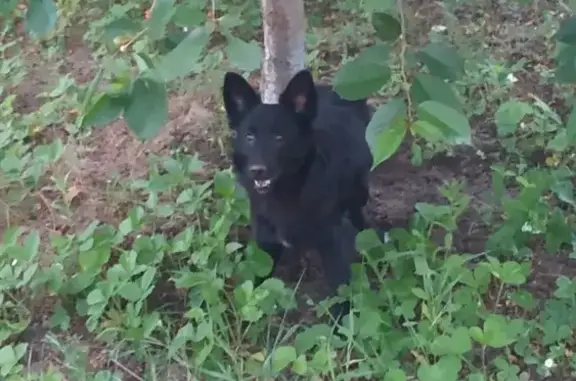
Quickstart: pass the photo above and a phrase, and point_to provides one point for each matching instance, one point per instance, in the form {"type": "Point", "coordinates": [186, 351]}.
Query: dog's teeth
{"type": "Point", "coordinates": [262, 183]}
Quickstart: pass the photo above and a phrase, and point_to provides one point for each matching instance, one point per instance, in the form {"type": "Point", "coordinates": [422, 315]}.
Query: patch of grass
{"type": "Point", "coordinates": [130, 260]}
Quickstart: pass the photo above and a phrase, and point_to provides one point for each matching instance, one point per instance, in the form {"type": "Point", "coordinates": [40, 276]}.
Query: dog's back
{"type": "Point", "coordinates": [341, 129]}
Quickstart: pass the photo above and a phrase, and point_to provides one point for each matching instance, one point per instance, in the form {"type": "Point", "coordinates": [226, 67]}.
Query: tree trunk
{"type": "Point", "coordinates": [284, 45]}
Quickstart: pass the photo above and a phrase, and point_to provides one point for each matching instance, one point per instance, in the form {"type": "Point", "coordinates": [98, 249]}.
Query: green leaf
{"type": "Point", "coordinates": [566, 288]}
{"type": "Point", "coordinates": [183, 241]}
{"type": "Point", "coordinates": [131, 292]}
{"type": "Point", "coordinates": [564, 190]}
{"type": "Point", "coordinates": [160, 14]}
{"type": "Point", "coordinates": [41, 16]}
{"type": "Point", "coordinates": [495, 333]}
{"type": "Point", "coordinates": [95, 296]}
{"type": "Point", "coordinates": [456, 344]}
{"type": "Point", "coordinates": [565, 71]}
{"type": "Point", "coordinates": [282, 357]}
{"type": "Point", "coordinates": [387, 26]}
{"type": "Point", "coordinates": [426, 87]}
{"type": "Point", "coordinates": [7, 355]}
{"type": "Point", "coordinates": [362, 76]}
{"type": "Point", "coordinates": [300, 366]}
{"type": "Point", "coordinates": [191, 15]}
{"type": "Point", "coordinates": [440, 214]}
{"type": "Point", "coordinates": [454, 126]}
{"type": "Point", "coordinates": [509, 115]}
{"type": "Point", "coordinates": [7, 6]}
{"type": "Point", "coordinates": [524, 299]}
{"type": "Point", "coordinates": [386, 130]}
{"type": "Point", "coordinates": [379, 5]}
{"type": "Point", "coordinates": [442, 60]}
{"type": "Point", "coordinates": [121, 27]}
{"type": "Point", "coordinates": [395, 374]}
{"type": "Point", "coordinates": [511, 273]}
{"type": "Point", "coordinates": [243, 55]}
{"type": "Point", "coordinates": [428, 131]}
{"type": "Point", "coordinates": [147, 110]}
{"type": "Point", "coordinates": [446, 369]}
{"type": "Point", "coordinates": [105, 110]}
{"type": "Point", "coordinates": [184, 58]}
{"type": "Point", "coordinates": [558, 232]}
{"type": "Point", "coordinates": [567, 31]}
{"type": "Point", "coordinates": [31, 245]}
{"type": "Point", "coordinates": [571, 127]}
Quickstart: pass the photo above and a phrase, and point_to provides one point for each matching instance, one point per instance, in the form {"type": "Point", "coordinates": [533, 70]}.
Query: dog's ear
{"type": "Point", "coordinates": [300, 95]}
{"type": "Point", "coordinates": [239, 97]}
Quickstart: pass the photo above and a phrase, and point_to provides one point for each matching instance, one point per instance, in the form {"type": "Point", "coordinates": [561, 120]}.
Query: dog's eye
{"type": "Point", "coordinates": [250, 138]}
{"type": "Point", "coordinates": [233, 134]}
{"type": "Point", "coordinates": [278, 138]}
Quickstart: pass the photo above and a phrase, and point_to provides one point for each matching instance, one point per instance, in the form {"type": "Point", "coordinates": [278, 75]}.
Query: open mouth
{"type": "Point", "coordinates": [262, 186]}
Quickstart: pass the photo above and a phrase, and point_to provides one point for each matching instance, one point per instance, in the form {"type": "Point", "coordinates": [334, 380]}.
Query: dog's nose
{"type": "Point", "coordinates": [257, 171]}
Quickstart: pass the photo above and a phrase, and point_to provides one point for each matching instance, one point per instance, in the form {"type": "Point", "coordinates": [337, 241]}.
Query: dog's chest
{"type": "Point", "coordinates": [294, 225]}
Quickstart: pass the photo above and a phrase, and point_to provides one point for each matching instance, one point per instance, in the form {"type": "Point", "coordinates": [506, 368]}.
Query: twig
{"type": "Point", "coordinates": [405, 86]}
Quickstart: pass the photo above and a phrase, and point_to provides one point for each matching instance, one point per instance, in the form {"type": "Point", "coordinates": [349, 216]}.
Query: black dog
{"type": "Point", "coordinates": [304, 163]}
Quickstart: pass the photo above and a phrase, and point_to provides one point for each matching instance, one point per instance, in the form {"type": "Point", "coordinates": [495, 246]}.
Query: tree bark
{"type": "Point", "coordinates": [284, 45]}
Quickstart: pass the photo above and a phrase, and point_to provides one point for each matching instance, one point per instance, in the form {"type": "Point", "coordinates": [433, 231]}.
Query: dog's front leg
{"type": "Point", "coordinates": [266, 238]}
{"type": "Point", "coordinates": [336, 248]}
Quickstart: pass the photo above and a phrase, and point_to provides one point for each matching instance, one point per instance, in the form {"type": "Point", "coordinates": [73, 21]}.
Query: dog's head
{"type": "Point", "coordinates": [270, 140]}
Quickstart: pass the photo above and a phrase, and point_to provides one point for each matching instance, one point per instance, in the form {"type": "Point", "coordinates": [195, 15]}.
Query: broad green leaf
{"type": "Point", "coordinates": [395, 374]}
{"type": "Point", "coordinates": [282, 357]}
{"type": "Point", "coordinates": [565, 72]}
{"type": "Point", "coordinates": [427, 130]}
{"type": "Point", "coordinates": [184, 58]}
{"type": "Point", "coordinates": [442, 60]}
{"type": "Point", "coordinates": [31, 245]}
{"type": "Point", "coordinates": [300, 365]}
{"type": "Point", "coordinates": [131, 292]}
{"type": "Point", "coordinates": [558, 232]}
{"type": "Point", "coordinates": [361, 77]}
{"type": "Point", "coordinates": [105, 110]}
{"type": "Point", "coordinates": [7, 6]}
{"type": "Point", "coordinates": [147, 110]}
{"type": "Point", "coordinates": [495, 332]}
{"type": "Point", "coordinates": [379, 5]}
{"type": "Point", "coordinates": [95, 296]}
{"type": "Point", "coordinates": [426, 87]}
{"type": "Point", "coordinates": [435, 213]}
{"type": "Point", "coordinates": [567, 31]}
{"type": "Point", "coordinates": [454, 126]}
{"type": "Point", "coordinates": [377, 53]}
{"type": "Point", "coordinates": [512, 273]}
{"type": "Point", "coordinates": [122, 27]}
{"type": "Point", "coordinates": [446, 369]}
{"type": "Point", "coordinates": [571, 127]}
{"type": "Point", "coordinates": [243, 55]}
{"type": "Point", "coordinates": [191, 16]}
{"type": "Point", "coordinates": [387, 26]}
{"type": "Point", "coordinates": [524, 299]}
{"type": "Point", "coordinates": [457, 344]}
{"type": "Point", "coordinates": [564, 190]}
{"type": "Point", "coordinates": [7, 355]}
{"type": "Point", "coordinates": [566, 288]}
{"type": "Point", "coordinates": [160, 14]}
{"type": "Point", "coordinates": [559, 143]}
{"type": "Point", "coordinates": [386, 130]}
{"type": "Point", "coordinates": [509, 115]}
{"type": "Point", "coordinates": [41, 16]}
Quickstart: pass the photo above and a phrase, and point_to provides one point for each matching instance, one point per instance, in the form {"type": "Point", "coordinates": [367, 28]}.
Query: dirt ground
{"type": "Point", "coordinates": [396, 185]}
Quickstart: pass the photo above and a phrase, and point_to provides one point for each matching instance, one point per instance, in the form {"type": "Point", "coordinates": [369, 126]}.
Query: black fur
{"type": "Point", "coordinates": [304, 163]}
